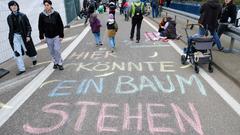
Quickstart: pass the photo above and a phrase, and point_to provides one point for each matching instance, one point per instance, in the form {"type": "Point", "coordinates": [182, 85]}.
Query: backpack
{"type": "Point", "coordinates": [112, 6]}
{"type": "Point", "coordinates": [138, 10]}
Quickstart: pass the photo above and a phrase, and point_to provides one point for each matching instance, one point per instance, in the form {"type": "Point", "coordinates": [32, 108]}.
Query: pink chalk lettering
{"type": "Point", "coordinates": [33, 130]}
{"type": "Point", "coordinates": [150, 117]}
{"type": "Point", "coordinates": [82, 115]}
{"type": "Point", "coordinates": [127, 117]}
{"type": "Point", "coordinates": [196, 123]}
{"type": "Point", "coordinates": [102, 116]}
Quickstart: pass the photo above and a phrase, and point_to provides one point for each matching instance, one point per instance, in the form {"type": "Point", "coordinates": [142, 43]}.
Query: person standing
{"type": "Point", "coordinates": [51, 30]}
{"type": "Point", "coordinates": [20, 36]}
{"type": "Point", "coordinates": [95, 27]}
{"type": "Point", "coordinates": [168, 3]}
{"type": "Point", "coordinates": [229, 10]}
{"type": "Point", "coordinates": [210, 12]}
{"type": "Point", "coordinates": [112, 28]}
{"type": "Point", "coordinates": [136, 13]}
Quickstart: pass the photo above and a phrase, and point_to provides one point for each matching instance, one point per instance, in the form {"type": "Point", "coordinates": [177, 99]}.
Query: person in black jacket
{"type": "Point", "coordinates": [210, 12]}
{"type": "Point", "coordinates": [229, 10]}
{"type": "Point", "coordinates": [50, 26]}
{"type": "Point", "coordinates": [20, 36]}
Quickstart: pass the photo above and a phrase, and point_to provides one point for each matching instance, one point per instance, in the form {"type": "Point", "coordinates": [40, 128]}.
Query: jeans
{"type": "Point", "coordinates": [112, 42]}
{"type": "Point", "coordinates": [155, 11]}
{"type": "Point", "coordinates": [202, 31]}
{"type": "Point", "coordinates": [97, 38]}
{"type": "Point", "coordinates": [54, 46]}
{"type": "Point", "coordinates": [19, 49]}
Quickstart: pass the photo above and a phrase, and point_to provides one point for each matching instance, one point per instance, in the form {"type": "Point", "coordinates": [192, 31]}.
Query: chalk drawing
{"type": "Point", "coordinates": [154, 55]}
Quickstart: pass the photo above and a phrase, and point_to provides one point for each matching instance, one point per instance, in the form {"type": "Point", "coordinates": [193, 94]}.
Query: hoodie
{"type": "Point", "coordinates": [95, 23]}
{"type": "Point", "coordinates": [50, 25]}
{"type": "Point", "coordinates": [210, 13]}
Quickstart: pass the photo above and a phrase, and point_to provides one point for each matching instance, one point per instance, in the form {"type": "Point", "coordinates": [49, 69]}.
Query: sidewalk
{"type": "Point", "coordinates": [227, 63]}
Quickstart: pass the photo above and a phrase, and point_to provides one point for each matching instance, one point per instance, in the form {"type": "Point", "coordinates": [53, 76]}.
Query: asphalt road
{"type": "Point", "coordinates": [139, 89]}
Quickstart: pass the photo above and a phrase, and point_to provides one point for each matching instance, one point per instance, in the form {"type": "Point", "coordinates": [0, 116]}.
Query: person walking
{"type": "Point", "coordinates": [210, 12]}
{"type": "Point", "coordinates": [136, 13]}
{"type": "Point", "coordinates": [51, 30]}
{"type": "Point", "coordinates": [112, 8]}
{"type": "Point", "coordinates": [91, 9]}
{"type": "Point", "coordinates": [20, 36]}
{"type": "Point", "coordinates": [229, 10]}
{"type": "Point", "coordinates": [112, 28]}
{"type": "Point", "coordinates": [154, 5]}
{"type": "Point", "coordinates": [95, 27]}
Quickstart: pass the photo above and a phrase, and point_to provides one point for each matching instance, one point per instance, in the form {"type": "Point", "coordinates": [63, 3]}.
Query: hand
{"type": "Point", "coordinates": [28, 39]}
{"type": "Point", "coordinates": [42, 41]}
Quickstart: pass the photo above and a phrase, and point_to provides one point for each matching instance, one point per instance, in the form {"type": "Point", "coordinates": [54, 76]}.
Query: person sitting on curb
{"type": "Point", "coordinates": [167, 28]}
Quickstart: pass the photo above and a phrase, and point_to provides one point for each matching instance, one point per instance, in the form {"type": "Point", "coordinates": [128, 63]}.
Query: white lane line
{"type": "Point", "coordinates": [77, 25]}
{"type": "Point", "coordinates": [30, 88]}
{"type": "Point", "coordinates": [43, 46]}
{"type": "Point", "coordinates": [217, 88]}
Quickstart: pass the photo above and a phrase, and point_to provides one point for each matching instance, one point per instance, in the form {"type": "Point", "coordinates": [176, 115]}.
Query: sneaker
{"type": "Point", "coordinates": [96, 45]}
{"type": "Point", "coordinates": [60, 67]}
{"type": "Point", "coordinates": [34, 62]}
{"type": "Point", "coordinates": [55, 66]}
{"type": "Point", "coordinates": [20, 72]}
{"type": "Point", "coordinates": [137, 41]}
{"type": "Point", "coordinates": [131, 39]}
{"type": "Point", "coordinates": [221, 49]}
{"type": "Point", "coordinates": [100, 44]}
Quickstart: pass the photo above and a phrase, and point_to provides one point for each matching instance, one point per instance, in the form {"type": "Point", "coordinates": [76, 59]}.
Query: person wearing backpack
{"type": "Point", "coordinates": [136, 13]}
{"type": "Point", "coordinates": [112, 8]}
{"type": "Point", "coordinates": [112, 29]}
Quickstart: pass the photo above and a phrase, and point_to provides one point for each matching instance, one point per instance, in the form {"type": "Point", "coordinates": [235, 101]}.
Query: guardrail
{"type": "Point", "coordinates": [233, 32]}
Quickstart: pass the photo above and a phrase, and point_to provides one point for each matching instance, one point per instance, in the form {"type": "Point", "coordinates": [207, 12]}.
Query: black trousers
{"type": "Point", "coordinates": [138, 22]}
{"type": "Point", "coordinates": [222, 28]}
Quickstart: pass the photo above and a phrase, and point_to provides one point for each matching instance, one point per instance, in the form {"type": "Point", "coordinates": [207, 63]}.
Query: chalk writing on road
{"type": "Point", "coordinates": [185, 117]}
{"type": "Point", "coordinates": [130, 85]}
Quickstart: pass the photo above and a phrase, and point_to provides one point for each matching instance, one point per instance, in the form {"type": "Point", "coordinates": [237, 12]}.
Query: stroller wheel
{"type": "Point", "coordinates": [183, 59]}
{"type": "Point", "coordinates": [210, 68]}
{"type": "Point", "coordinates": [196, 68]}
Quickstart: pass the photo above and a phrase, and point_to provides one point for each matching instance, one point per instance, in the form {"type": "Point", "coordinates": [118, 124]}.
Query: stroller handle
{"type": "Point", "coordinates": [191, 25]}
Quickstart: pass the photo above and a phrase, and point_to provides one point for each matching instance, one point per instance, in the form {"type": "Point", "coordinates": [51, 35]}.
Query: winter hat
{"type": "Point", "coordinates": [47, 1]}
{"type": "Point", "coordinates": [110, 16]}
{"type": "Point", "coordinates": [11, 3]}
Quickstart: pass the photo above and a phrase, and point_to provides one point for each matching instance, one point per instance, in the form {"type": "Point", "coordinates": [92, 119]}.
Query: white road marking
{"type": "Point", "coordinates": [154, 55]}
{"type": "Point", "coordinates": [104, 75]}
{"type": "Point", "coordinates": [77, 25]}
{"type": "Point", "coordinates": [43, 46]}
{"type": "Point", "coordinates": [30, 88]}
{"type": "Point", "coordinates": [4, 106]}
{"type": "Point", "coordinates": [216, 87]}
{"type": "Point", "coordinates": [186, 66]}
{"type": "Point", "coordinates": [48, 82]}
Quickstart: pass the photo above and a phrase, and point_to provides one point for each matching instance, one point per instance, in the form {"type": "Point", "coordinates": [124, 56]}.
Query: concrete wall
{"type": "Point", "coordinates": [32, 9]}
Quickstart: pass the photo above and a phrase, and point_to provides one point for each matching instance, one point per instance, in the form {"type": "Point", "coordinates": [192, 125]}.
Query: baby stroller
{"type": "Point", "coordinates": [198, 50]}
